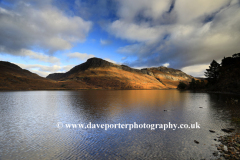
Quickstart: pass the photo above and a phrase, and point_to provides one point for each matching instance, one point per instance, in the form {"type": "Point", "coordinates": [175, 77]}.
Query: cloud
{"type": "Point", "coordinates": [105, 42]}
{"type": "Point", "coordinates": [67, 68]}
{"type": "Point", "coordinates": [81, 56]}
{"type": "Point", "coordinates": [123, 58]}
{"type": "Point", "coordinates": [43, 70]}
{"type": "Point", "coordinates": [190, 11]}
{"type": "Point", "coordinates": [182, 32]}
{"type": "Point", "coordinates": [166, 64]}
{"type": "Point", "coordinates": [109, 60]}
{"type": "Point", "coordinates": [39, 56]}
{"type": "Point", "coordinates": [196, 70]}
{"type": "Point", "coordinates": [135, 32]}
{"type": "Point", "coordinates": [32, 24]}
{"type": "Point", "coordinates": [137, 48]}
{"type": "Point", "coordinates": [40, 73]}
{"type": "Point", "coordinates": [130, 10]}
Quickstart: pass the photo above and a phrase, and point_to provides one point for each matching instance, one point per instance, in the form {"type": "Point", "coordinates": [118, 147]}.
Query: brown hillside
{"type": "Point", "coordinates": [95, 73]}
{"type": "Point", "coordinates": [106, 75]}
{"type": "Point", "coordinates": [13, 77]}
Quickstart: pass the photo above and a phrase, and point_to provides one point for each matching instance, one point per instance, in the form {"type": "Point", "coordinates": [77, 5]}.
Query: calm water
{"type": "Point", "coordinates": [28, 121]}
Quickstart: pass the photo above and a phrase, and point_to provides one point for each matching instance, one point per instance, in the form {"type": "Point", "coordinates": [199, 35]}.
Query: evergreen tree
{"type": "Point", "coordinates": [236, 55]}
{"type": "Point", "coordinates": [192, 84]}
{"type": "Point", "coordinates": [182, 85]}
{"type": "Point", "coordinates": [213, 72]}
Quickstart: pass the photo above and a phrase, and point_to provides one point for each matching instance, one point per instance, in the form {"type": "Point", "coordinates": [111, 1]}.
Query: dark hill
{"type": "Point", "coordinates": [13, 77]}
{"type": "Point", "coordinates": [8, 68]}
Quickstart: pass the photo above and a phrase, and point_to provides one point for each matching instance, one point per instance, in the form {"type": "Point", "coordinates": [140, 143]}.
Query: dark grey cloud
{"type": "Point", "coordinates": [182, 33]}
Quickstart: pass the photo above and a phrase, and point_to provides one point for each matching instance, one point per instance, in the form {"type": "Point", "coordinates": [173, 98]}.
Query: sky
{"type": "Point", "coordinates": [52, 36]}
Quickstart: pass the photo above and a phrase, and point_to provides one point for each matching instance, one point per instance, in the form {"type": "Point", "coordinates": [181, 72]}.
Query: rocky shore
{"type": "Point", "coordinates": [229, 147]}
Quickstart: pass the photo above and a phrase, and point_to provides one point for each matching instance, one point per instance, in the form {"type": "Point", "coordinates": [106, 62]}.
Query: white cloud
{"type": "Point", "coordinates": [67, 68]}
{"type": "Point", "coordinates": [81, 56]}
{"type": "Point", "coordinates": [135, 32]}
{"type": "Point", "coordinates": [166, 64]}
{"type": "Point", "coordinates": [43, 26]}
{"type": "Point", "coordinates": [196, 70]}
{"type": "Point", "coordinates": [39, 56]}
{"type": "Point", "coordinates": [109, 60]}
{"type": "Point", "coordinates": [43, 70]}
{"type": "Point", "coordinates": [151, 8]}
{"type": "Point", "coordinates": [53, 68]}
{"type": "Point", "coordinates": [188, 10]}
{"type": "Point", "coordinates": [40, 73]}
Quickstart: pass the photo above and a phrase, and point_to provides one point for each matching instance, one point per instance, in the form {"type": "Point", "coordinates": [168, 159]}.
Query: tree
{"type": "Point", "coordinates": [196, 84]}
{"type": "Point", "coordinates": [181, 85]}
{"type": "Point", "coordinates": [213, 72]}
{"type": "Point", "coordinates": [236, 55]}
{"type": "Point", "coordinates": [192, 84]}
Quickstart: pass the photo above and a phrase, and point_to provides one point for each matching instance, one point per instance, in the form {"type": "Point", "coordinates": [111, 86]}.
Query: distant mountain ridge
{"type": "Point", "coordinates": [95, 73]}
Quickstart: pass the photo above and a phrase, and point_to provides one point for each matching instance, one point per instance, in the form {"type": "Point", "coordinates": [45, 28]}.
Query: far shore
{"type": "Point", "coordinates": [62, 89]}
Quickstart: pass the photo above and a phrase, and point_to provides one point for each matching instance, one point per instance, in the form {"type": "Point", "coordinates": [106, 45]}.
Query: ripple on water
{"type": "Point", "coordinates": [28, 124]}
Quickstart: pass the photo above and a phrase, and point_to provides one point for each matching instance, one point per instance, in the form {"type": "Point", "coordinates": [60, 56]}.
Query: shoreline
{"type": "Point", "coordinates": [194, 91]}
{"type": "Point", "coordinates": [206, 91]}
{"type": "Point", "coordinates": [84, 89]}
{"type": "Point", "coordinates": [229, 147]}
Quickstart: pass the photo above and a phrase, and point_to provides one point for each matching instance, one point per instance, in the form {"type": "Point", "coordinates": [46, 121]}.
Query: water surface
{"type": "Point", "coordinates": [28, 121]}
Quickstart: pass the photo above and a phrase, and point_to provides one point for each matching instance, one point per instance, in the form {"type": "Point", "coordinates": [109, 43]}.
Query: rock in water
{"type": "Point", "coordinates": [228, 130]}
{"type": "Point", "coordinates": [215, 153]}
{"type": "Point", "coordinates": [211, 131]}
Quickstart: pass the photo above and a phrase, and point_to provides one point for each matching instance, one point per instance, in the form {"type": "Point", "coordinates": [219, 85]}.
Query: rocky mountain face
{"type": "Point", "coordinates": [168, 76]}
{"type": "Point", "coordinates": [106, 75]}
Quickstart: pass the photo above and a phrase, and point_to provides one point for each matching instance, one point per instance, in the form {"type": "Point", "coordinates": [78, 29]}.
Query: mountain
{"type": "Point", "coordinates": [13, 77]}
{"type": "Point", "coordinates": [95, 73]}
{"type": "Point", "coordinates": [101, 74]}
